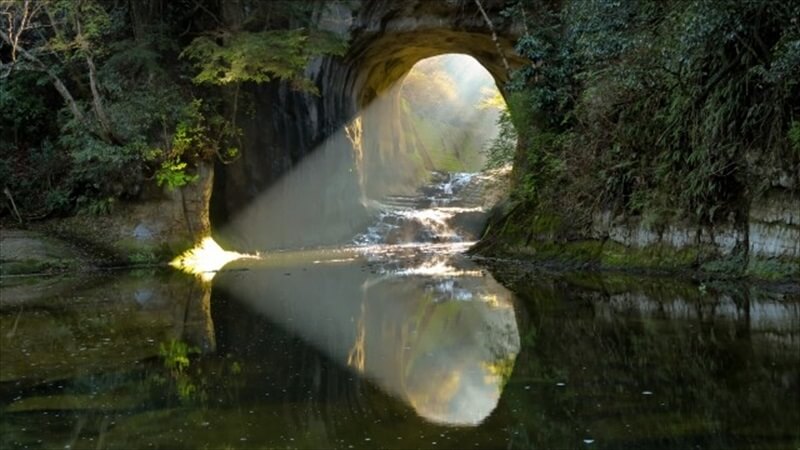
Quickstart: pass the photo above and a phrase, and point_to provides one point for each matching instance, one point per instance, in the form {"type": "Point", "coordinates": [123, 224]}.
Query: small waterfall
{"type": "Point", "coordinates": [448, 209]}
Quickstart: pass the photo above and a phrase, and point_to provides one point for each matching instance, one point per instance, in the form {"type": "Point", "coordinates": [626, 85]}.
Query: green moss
{"type": "Point", "coordinates": [547, 224]}
{"type": "Point", "coordinates": [544, 236]}
{"type": "Point", "coordinates": [606, 254]}
{"type": "Point", "coordinates": [730, 265]}
{"type": "Point", "coordinates": [613, 255]}
{"type": "Point", "coordinates": [773, 268]}
{"type": "Point", "coordinates": [529, 233]}
{"type": "Point", "coordinates": [586, 251]}
{"type": "Point", "coordinates": [658, 256]}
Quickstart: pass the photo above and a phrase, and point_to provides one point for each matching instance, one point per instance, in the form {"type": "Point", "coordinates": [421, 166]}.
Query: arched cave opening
{"type": "Point", "coordinates": [309, 162]}
{"type": "Point", "coordinates": [439, 117]}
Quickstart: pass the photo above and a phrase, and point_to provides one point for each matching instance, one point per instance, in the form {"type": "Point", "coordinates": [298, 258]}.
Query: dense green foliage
{"type": "Point", "coordinates": [666, 110]}
{"type": "Point", "coordinates": [261, 56]}
{"type": "Point", "coordinates": [104, 100]}
{"type": "Point", "coordinates": [500, 151]}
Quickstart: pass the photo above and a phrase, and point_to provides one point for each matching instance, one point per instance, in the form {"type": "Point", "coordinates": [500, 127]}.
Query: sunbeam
{"type": "Point", "coordinates": [397, 303]}
{"type": "Point", "coordinates": [389, 147]}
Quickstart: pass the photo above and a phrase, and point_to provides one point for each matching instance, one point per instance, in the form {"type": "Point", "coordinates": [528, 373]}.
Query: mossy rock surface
{"type": "Point", "coordinates": [544, 237]}
{"type": "Point", "coordinates": [30, 252]}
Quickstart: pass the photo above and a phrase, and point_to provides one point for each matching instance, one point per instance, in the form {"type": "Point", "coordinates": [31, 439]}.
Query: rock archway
{"type": "Point", "coordinates": [387, 37]}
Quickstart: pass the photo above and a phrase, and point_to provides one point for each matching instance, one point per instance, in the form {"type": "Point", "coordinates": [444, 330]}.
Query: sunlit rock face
{"type": "Point", "coordinates": [441, 336]}
{"type": "Point", "coordinates": [387, 37]}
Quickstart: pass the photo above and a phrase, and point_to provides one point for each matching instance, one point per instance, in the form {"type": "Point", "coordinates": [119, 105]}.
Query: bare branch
{"type": "Point", "coordinates": [57, 83]}
{"type": "Point", "coordinates": [490, 25]}
{"type": "Point", "coordinates": [18, 21]}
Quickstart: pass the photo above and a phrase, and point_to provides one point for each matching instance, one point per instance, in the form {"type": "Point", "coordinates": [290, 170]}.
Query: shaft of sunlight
{"type": "Point", "coordinates": [432, 119]}
{"type": "Point", "coordinates": [439, 335]}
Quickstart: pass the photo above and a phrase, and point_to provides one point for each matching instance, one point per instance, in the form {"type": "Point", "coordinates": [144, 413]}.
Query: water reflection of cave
{"type": "Point", "coordinates": [440, 116]}
{"type": "Point", "coordinates": [442, 343]}
{"type": "Point", "coordinates": [305, 384]}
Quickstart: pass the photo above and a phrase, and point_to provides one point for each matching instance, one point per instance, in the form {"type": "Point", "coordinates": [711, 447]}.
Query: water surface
{"type": "Point", "coordinates": [397, 341]}
{"type": "Point", "coordinates": [395, 347]}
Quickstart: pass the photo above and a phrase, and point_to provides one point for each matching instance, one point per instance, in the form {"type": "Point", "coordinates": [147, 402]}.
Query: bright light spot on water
{"type": "Point", "coordinates": [439, 269]}
{"type": "Point", "coordinates": [331, 261]}
{"type": "Point", "coordinates": [206, 259]}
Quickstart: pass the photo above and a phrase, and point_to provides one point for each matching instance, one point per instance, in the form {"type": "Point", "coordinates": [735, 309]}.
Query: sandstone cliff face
{"type": "Point", "coordinates": [387, 37]}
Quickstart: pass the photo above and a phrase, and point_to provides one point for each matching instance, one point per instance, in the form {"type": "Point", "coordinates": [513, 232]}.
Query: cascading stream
{"type": "Point", "coordinates": [448, 209]}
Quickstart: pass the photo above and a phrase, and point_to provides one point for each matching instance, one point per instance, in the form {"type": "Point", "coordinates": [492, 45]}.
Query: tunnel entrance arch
{"type": "Point", "coordinates": [384, 52]}
{"type": "Point", "coordinates": [287, 130]}
{"type": "Point", "coordinates": [437, 118]}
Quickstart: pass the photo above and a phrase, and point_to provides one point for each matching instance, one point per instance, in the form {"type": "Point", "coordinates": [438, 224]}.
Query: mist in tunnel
{"type": "Point", "coordinates": [438, 117]}
{"type": "Point", "coordinates": [443, 114]}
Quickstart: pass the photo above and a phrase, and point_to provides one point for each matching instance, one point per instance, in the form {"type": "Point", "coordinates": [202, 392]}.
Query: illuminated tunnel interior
{"type": "Point", "coordinates": [438, 117]}
{"type": "Point", "coordinates": [370, 131]}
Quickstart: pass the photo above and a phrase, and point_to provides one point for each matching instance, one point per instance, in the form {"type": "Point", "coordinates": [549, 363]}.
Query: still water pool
{"type": "Point", "coordinates": [411, 346]}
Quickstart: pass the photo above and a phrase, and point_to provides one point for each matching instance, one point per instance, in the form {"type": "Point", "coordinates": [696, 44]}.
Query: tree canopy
{"type": "Point", "coordinates": [144, 88]}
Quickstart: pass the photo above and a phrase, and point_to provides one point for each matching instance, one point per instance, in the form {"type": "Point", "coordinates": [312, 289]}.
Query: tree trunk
{"type": "Point", "coordinates": [105, 131]}
{"type": "Point", "coordinates": [57, 83]}
{"type": "Point", "coordinates": [67, 96]}
{"type": "Point", "coordinates": [97, 103]}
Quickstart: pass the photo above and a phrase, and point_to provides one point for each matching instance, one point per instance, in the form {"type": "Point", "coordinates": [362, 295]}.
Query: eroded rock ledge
{"type": "Point", "coordinates": [766, 244]}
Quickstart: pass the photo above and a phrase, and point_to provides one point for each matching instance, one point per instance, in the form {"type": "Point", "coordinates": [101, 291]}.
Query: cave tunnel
{"type": "Point", "coordinates": [300, 179]}
{"type": "Point", "coordinates": [437, 119]}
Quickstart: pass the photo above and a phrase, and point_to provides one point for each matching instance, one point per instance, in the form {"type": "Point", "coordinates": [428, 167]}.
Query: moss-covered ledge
{"type": "Point", "coordinates": [26, 252]}
{"type": "Point", "coordinates": [597, 254]}
{"type": "Point", "coordinates": [724, 251]}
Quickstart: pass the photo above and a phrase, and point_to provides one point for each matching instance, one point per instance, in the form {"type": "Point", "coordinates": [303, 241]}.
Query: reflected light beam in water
{"type": "Point", "coordinates": [206, 259]}
{"type": "Point", "coordinates": [446, 355]}
{"type": "Point", "coordinates": [458, 328]}
{"type": "Point", "coordinates": [438, 269]}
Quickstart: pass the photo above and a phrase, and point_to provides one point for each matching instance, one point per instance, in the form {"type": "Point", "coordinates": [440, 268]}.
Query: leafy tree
{"type": "Point", "coordinates": [678, 109]}
{"type": "Point", "coordinates": [427, 86]}
{"type": "Point", "coordinates": [131, 113]}
{"type": "Point", "coordinates": [500, 151]}
{"type": "Point", "coordinates": [260, 56]}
